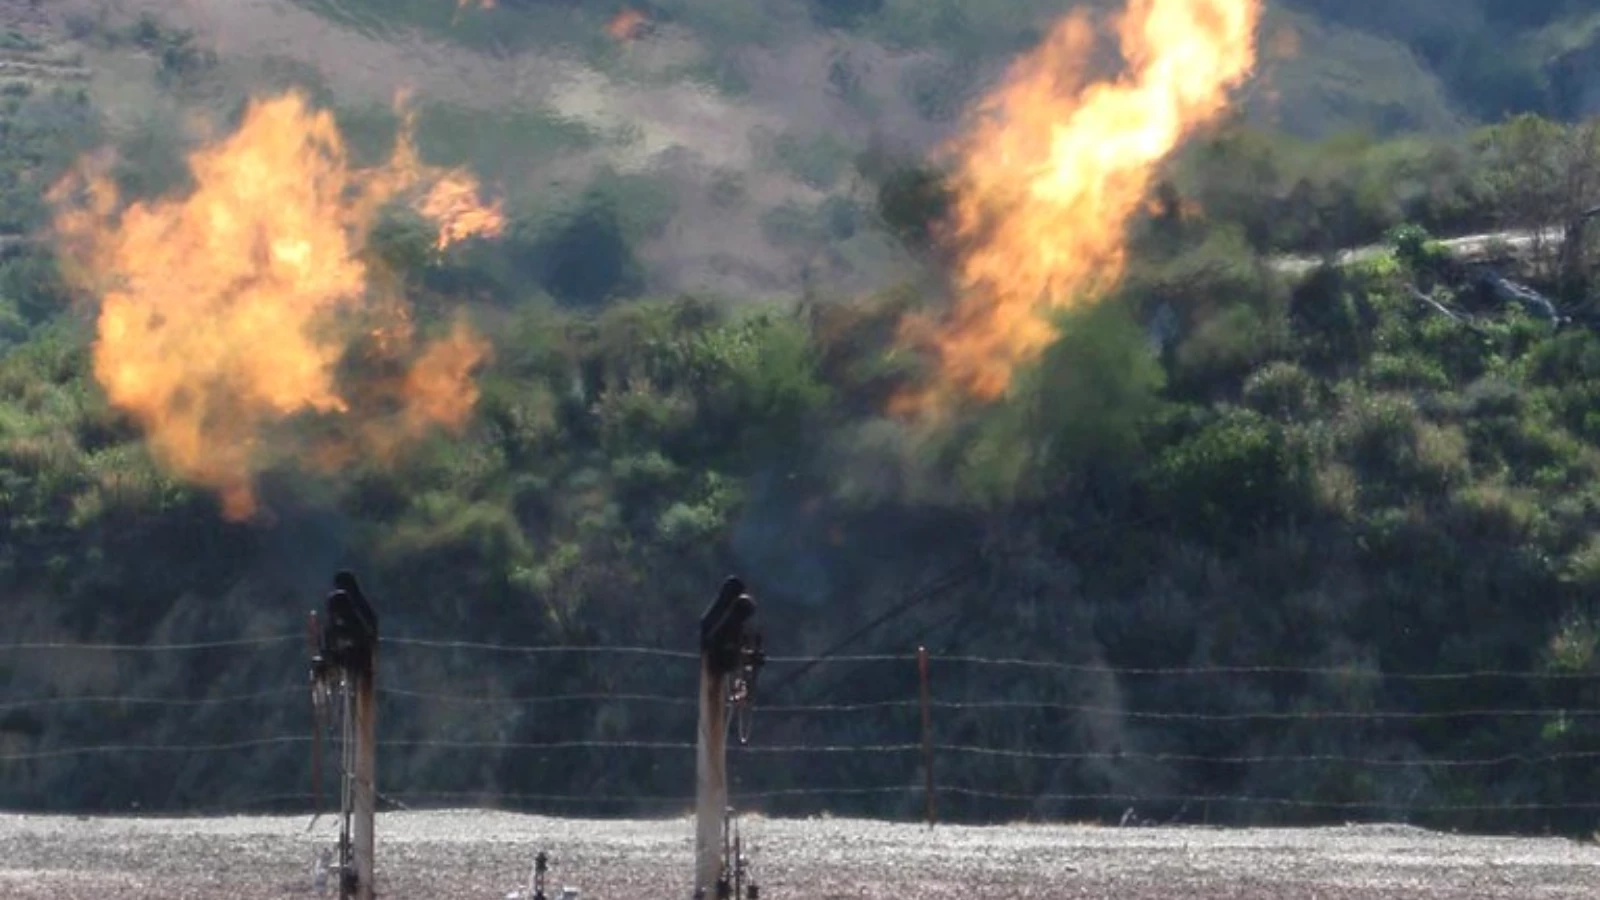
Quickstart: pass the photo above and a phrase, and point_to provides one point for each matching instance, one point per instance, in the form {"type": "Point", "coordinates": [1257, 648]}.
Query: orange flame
{"type": "Point", "coordinates": [228, 310]}
{"type": "Point", "coordinates": [453, 203]}
{"type": "Point", "coordinates": [1054, 167]}
{"type": "Point", "coordinates": [440, 384]}
{"type": "Point", "coordinates": [627, 25]}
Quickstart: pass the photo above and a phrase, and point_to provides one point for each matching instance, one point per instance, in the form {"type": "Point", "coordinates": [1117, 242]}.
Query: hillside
{"type": "Point", "coordinates": [545, 324]}
{"type": "Point", "coordinates": [765, 111]}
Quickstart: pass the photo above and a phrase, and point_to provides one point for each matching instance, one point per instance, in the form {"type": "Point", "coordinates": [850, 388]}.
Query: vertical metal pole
{"type": "Point", "coordinates": [347, 766]}
{"type": "Point", "coordinates": [723, 650]}
{"type": "Point", "coordinates": [366, 773]}
{"type": "Point", "coordinates": [711, 775]}
{"type": "Point", "coordinates": [347, 648]}
{"type": "Point", "coordinates": [927, 732]}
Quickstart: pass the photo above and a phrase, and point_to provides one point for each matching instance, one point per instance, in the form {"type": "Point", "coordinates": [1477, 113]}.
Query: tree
{"type": "Point", "coordinates": [1544, 177]}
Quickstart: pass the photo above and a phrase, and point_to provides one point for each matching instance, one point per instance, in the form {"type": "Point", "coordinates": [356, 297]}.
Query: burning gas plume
{"type": "Point", "coordinates": [627, 25]}
{"type": "Point", "coordinates": [1053, 167]}
{"type": "Point", "coordinates": [230, 309]}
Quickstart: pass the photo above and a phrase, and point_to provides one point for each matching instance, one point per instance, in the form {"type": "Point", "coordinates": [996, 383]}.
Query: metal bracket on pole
{"type": "Point", "coordinates": [727, 651]}
{"type": "Point", "coordinates": [344, 666]}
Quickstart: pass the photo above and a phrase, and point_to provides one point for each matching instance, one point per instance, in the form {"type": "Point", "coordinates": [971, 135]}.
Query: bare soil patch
{"type": "Point", "coordinates": [472, 854]}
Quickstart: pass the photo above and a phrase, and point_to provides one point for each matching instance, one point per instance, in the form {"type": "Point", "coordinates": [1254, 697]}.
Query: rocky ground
{"type": "Point", "coordinates": [462, 854]}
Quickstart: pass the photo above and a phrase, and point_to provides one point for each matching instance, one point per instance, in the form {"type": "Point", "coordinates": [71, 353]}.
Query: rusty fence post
{"type": "Point", "coordinates": [364, 790]}
{"type": "Point", "coordinates": [344, 670]}
{"type": "Point", "coordinates": [927, 733]}
{"type": "Point", "coordinates": [722, 644]}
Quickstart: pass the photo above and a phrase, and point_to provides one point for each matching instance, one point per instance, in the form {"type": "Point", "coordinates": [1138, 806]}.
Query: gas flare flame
{"type": "Point", "coordinates": [230, 309]}
{"type": "Point", "coordinates": [627, 25]}
{"type": "Point", "coordinates": [1054, 166]}
{"type": "Point", "coordinates": [453, 204]}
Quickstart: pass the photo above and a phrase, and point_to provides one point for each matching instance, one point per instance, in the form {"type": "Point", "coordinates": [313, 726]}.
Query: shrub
{"type": "Point", "coordinates": [1238, 475]}
{"type": "Point", "coordinates": [1414, 371]}
{"type": "Point", "coordinates": [637, 416]}
{"type": "Point", "coordinates": [587, 258]}
{"type": "Point", "coordinates": [912, 201]}
{"type": "Point", "coordinates": [843, 13]}
{"type": "Point", "coordinates": [1282, 389]}
{"type": "Point", "coordinates": [1330, 321]}
{"type": "Point", "coordinates": [817, 160]}
{"type": "Point", "coordinates": [1226, 346]}
{"type": "Point", "coordinates": [757, 381]}
{"type": "Point", "coordinates": [1083, 407]}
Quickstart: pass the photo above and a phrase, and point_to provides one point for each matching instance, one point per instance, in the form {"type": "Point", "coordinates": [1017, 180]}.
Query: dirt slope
{"type": "Point", "coordinates": [650, 120]}
{"type": "Point", "coordinates": [357, 66]}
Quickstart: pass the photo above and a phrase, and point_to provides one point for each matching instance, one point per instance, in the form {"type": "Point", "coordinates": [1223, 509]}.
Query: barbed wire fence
{"type": "Point", "coordinates": [609, 731]}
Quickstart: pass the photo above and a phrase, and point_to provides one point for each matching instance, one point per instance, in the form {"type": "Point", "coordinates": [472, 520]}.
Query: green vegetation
{"type": "Point", "coordinates": [1496, 56]}
{"type": "Point", "coordinates": [1331, 473]}
{"type": "Point", "coordinates": [1390, 467]}
{"type": "Point", "coordinates": [1412, 64]}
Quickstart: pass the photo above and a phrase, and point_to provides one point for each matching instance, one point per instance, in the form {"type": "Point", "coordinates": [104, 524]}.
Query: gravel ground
{"type": "Point", "coordinates": [469, 854]}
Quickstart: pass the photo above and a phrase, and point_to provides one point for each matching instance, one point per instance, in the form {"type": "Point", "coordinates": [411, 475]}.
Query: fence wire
{"type": "Point", "coordinates": [227, 644]}
{"type": "Point", "coordinates": [873, 719]}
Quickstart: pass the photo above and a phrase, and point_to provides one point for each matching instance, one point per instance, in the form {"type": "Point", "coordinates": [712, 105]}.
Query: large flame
{"type": "Point", "coordinates": [628, 24]}
{"type": "Point", "coordinates": [233, 307]}
{"type": "Point", "coordinates": [1052, 169]}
